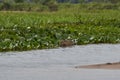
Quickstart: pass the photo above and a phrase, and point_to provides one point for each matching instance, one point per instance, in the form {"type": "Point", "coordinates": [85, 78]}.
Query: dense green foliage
{"type": "Point", "coordinates": [33, 30]}
{"type": "Point", "coordinates": [61, 1]}
{"type": "Point", "coordinates": [55, 5]}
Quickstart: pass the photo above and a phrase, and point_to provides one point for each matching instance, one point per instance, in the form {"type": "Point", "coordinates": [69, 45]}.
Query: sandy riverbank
{"type": "Point", "coordinates": [115, 65]}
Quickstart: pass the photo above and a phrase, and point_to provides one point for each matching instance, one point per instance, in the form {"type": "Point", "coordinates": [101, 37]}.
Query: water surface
{"type": "Point", "coordinates": [58, 64]}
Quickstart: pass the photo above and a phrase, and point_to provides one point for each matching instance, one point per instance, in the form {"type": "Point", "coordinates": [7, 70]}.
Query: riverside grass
{"type": "Point", "coordinates": [32, 30]}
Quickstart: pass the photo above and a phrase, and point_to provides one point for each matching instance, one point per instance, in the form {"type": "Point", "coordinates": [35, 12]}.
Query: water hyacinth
{"type": "Point", "coordinates": [27, 31]}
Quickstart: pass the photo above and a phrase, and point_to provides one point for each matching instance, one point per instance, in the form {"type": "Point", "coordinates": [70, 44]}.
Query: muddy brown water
{"type": "Point", "coordinates": [59, 64]}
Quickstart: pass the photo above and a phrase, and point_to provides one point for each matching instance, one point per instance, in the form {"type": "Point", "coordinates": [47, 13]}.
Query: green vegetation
{"type": "Point", "coordinates": [41, 30]}
{"type": "Point", "coordinates": [55, 5]}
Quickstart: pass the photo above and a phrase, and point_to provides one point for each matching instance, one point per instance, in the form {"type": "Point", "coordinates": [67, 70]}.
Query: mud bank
{"type": "Point", "coordinates": [111, 66]}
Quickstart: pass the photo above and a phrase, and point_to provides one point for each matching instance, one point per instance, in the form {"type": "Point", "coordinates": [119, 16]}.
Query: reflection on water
{"type": "Point", "coordinates": [58, 64]}
{"type": "Point", "coordinates": [62, 57]}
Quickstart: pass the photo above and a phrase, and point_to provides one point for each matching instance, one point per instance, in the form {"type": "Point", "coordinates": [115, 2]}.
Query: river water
{"type": "Point", "coordinates": [59, 64]}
